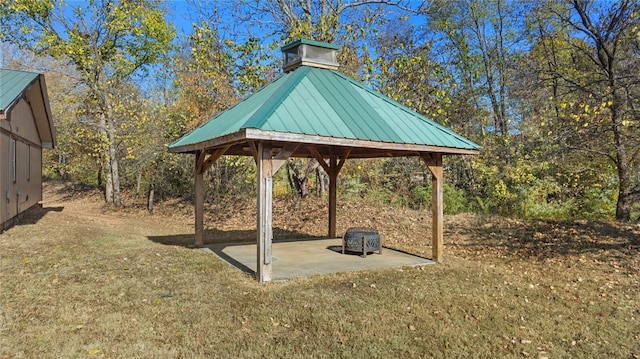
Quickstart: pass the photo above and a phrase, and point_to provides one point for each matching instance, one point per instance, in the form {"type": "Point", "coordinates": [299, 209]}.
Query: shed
{"type": "Point", "coordinates": [314, 111]}
{"type": "Point", "coordinates": [26, 127]}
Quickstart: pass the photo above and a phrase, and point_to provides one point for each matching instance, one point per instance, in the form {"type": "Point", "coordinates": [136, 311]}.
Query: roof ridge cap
{"type": "Point", "coordinates": [259, 117]}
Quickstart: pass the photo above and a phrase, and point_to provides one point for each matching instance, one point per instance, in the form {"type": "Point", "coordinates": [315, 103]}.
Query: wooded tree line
{"type": "Point", "coordinates": [549, 88]}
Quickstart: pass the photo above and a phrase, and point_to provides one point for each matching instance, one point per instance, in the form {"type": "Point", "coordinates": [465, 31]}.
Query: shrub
{"type": "Point", "coordinates": [454, 199]}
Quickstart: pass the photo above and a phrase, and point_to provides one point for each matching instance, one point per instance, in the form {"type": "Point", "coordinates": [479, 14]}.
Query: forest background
{"type": "Point", "coordinates": [550, 89]}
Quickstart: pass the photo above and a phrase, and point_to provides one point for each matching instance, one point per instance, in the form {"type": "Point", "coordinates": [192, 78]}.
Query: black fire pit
{"type": "Point", "coordinates": [361, 240]}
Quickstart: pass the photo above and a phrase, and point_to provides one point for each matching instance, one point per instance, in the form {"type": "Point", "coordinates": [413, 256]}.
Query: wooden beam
{"type": "Point", "coordinates": [253, 147]}
{"type": "Point", "coordinates": [314, 152]}
{"type": "Point", "coordinates": [230, 139]}
{"type": "Point", "coordinates": [343, 160]}
{"type": "Point", "coordinates": [434, 163]}
{"type": "Point", "coordinates": [282, 156]}
{"type": "Point", "coordinates": [264, 229]}
{"type": "Point", "coordinates": [201, 166]}
{"type": "Point", "coordinates": [251, 134]}
{"type": "Point", "coordinates": [333, 195]}
{"type": "Point", "coordinates": [335, 168]}
{"type": "Point", "coordinates": [199, 200]}
{"type": "Point", "coordinates": [267, 165]}
{"type": "Point", "coordinates": [256, 134]}
{"type": "Point", "coordinates": [200, 155]}
{"type": "Point", "coordinates": [213, 158]}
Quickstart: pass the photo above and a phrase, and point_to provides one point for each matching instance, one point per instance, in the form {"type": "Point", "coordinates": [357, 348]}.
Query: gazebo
{"type": "Point", "coordinates": [313, 111]}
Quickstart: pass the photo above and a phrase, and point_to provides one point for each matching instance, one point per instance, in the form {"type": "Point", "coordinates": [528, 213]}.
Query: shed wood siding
{"type": "Point", "coordinates": [4, 175]}
{"type": "Point", "coordinates": [26, 191]}
{"type": "Point", "coordinates": [23, 125]}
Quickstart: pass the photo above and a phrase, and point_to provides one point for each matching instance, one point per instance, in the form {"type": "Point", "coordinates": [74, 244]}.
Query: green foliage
{"type": "Point", "coordinates": [231, 175]}
{"type": "Point", "coordinates": [541, 200]}
{"type": "Point", "coordinates": [203, 81]}
{"type": "Point", "coordinates": [454, 199]}
{"type": "Point", "coordinates": [531, 189]}
{"type": "Point", "coordinates": [253, 66]}
{"type": "Point", "coordinates": [353, 188]}
{"type": "Point", "coordinates": [636, 212]}
{"type": "Point", "coordinates": [421, 196]}
{"type": "Point", "coordinates": [405, 71]}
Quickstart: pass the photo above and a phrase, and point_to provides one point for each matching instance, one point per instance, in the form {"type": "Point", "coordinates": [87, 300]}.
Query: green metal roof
{"type": "Point", "coordinates": [12, 84]}
{"type": "Point", "coordinates": [320, 102]}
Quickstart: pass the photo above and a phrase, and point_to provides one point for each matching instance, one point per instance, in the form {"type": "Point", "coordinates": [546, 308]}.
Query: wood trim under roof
{"type": "Point", "coordinates": [325, 145]}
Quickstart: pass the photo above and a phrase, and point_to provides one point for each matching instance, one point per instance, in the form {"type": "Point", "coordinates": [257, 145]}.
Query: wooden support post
{"type": "Point", "coordinates": [267, 165]}
{"type": "Point", "coordinates": [200, 168]}
{"type": "Point", "coordinates": [333, 196]}
{"type": "Point", "coordinates": [333, 169]}
{"type": "Point", "coordinates": [199, 205]}
{"type": "Point", "coordinates": [434, 163]}
{"type": "Point", "coordinates": [263, 265]}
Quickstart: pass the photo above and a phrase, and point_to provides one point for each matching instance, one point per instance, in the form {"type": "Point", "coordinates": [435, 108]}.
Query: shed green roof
{"type": "Point", "coordinates": [13, 83]}
{"type": "Point", "coordinates": [319, 102]}
{"type": "Point", "coordinates": [16, 84]}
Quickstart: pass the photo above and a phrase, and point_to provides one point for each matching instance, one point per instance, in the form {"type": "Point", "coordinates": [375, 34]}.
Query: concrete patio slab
{"type": "Point", "coordinates": [299, 258]}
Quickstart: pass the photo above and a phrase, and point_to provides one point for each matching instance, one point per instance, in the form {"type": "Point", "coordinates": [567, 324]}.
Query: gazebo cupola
{"type": "Point", "coordinates": [309, 53]}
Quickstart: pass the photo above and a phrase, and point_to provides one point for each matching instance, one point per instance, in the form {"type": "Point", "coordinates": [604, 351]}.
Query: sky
{"type": "Point", "coordinates": [184, 13]}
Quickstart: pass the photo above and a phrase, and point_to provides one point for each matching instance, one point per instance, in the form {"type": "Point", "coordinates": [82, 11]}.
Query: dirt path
{"type": "Point", "coordinates": [87, 205]}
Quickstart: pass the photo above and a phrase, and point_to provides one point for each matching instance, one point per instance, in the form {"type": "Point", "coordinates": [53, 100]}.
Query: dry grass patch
{"type": "Point", "coordinates": [86, 282]}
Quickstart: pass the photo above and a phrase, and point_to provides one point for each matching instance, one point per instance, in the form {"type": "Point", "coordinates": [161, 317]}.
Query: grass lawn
{"type": "Point", "coordinates": [81, 281]}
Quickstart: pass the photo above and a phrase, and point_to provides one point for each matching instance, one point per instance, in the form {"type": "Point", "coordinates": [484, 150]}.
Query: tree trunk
{"type": "Point", "coordinates": [608, 56]}
{"type": "Point", "coordinates": [112, 180]}
{"type": "Point", "coordinates": [150, 198]}
{"type": "Point", "coordinates": [322, 179]}
{"type": "Point", "coordinates": [113, 163]}
{"type": "Point", "coordinates": [493, 61]}
{"type": "Point", "coordinates": [108, 178]}
{"type": "Point", "coordinates": [623, 206]}
{"type": "Point", "coordinates": [99, 175]}
{"type": "Point", "coordinates": [138, 180]}
{"type": "Point", "coordinates": [299, 174]}
{"type": "Point", "coordinates": [106, 161]}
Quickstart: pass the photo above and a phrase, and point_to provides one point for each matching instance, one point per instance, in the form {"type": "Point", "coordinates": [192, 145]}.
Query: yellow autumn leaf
{"type": "Point", "coordinates": [93, 351]}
